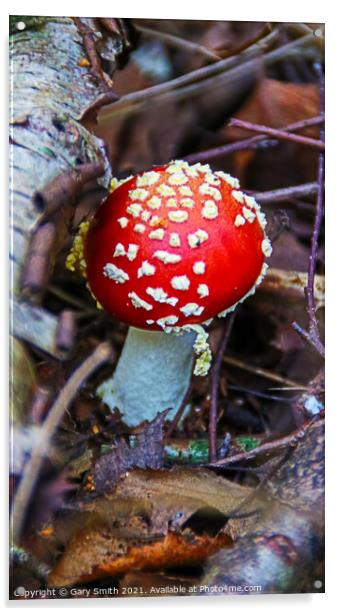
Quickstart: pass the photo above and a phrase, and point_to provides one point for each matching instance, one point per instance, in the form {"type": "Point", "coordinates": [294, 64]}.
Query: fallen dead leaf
{"type": "Point", "coordinates": [172, 497]}
{"type": "Point", "coordinates": [147, 451]}
{"type": "Point", "coordinates": [171, 551]}
{"type": "Point", "coordinates": [275, 104]}
{"type": "Point", "coordinates": [149, 521]}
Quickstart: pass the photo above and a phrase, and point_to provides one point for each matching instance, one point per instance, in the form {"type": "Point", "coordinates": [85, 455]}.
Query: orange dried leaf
{"type": "Point", "coordinates": [171, 551]}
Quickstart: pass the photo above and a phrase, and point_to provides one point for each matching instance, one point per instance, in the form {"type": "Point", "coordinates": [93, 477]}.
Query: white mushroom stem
{"type": "Point", "coordinates": [153, 374]}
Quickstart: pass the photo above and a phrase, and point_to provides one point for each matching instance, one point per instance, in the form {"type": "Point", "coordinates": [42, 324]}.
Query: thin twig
{"type": "Point", "coordinates": [204, 78]}
{"type": "Point", "coordinates": [286, 194]}
{"type": "Point", "coordinates": [179, 42]}
{"type": "Point", "coordinates": [277, 133]}
{"type": "Point", "coordinates": [277, 445]}
{"type": "Point", "coordinates": [69, 298]}
{"type": "Point", "coordinates": [310, 338]}
{"type": "Point", "coordinates": [267, 29]}
{"type": "Point", "coordinates": [260, 394]}
{"type": "Point", "coordinates": [198, 75]}
{"type": "Point", "coordinates": [90, 113]}
{"type": "Point", "coordinates": [251, 143]}
{"type": "Point", "coordinates": [215, 377]}
{"type": "Point", "coordinates": [103, 353]}
{"type": "Point", "coordinates": [266, 374]}
{"type": "Point", "coordinates": [190, 46]}
{"type": "Point", "coordinates": [179, 412]}
{"type": "Point", "coordinates": [312, 335]}
{"type": "Point", "coordinates": [309, 289]}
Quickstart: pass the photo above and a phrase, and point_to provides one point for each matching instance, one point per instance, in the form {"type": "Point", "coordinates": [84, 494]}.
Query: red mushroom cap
{"type": "Point", "coordinates": [174, 246]}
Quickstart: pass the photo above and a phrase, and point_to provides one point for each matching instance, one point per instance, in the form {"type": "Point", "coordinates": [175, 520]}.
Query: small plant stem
{"type": "Point", "coordinates": [215, 378]}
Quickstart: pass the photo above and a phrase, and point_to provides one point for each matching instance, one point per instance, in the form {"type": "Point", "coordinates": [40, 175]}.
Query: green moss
{"type": "Point", "coordinates": [199, 450]}
{"type": "Point", "coordinates": [246, 443]}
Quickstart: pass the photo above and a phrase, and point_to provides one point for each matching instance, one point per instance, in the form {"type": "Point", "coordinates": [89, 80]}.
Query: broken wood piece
{"type": "Point", "coordinates": [35, 273]}
{"type": "Point", "coordinates": [36, 326]}
{"type": "Point", "coordinates": [294, 283]}
{"type": "Point", "coordinates": [66, 186]}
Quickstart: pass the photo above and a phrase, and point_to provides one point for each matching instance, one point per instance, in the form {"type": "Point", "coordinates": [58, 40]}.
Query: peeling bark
{"type": "Point", "coordinates": [52, 87]}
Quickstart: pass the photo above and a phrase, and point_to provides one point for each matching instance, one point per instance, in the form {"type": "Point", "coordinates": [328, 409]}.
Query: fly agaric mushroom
{"type": "Point", "coordinates": [167, 251]}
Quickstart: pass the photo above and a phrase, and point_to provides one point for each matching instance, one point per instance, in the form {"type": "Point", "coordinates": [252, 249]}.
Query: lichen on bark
{"type": "Point", "coordinates": [50, 91]}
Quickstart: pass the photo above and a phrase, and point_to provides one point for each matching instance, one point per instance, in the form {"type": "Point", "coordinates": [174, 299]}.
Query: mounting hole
{"type": "Point", "coordinates": [20, 25]}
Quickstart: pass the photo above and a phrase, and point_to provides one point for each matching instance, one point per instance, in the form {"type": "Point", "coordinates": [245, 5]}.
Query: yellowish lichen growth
{"type": "Point", "coordinates": [203, 352]}
{"type": "Point", "coordinates": [201, 347]}
{"type": "Point", "coordinates": [75, 261]}
{"type": "Point", "coordinates": [115, 183]}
